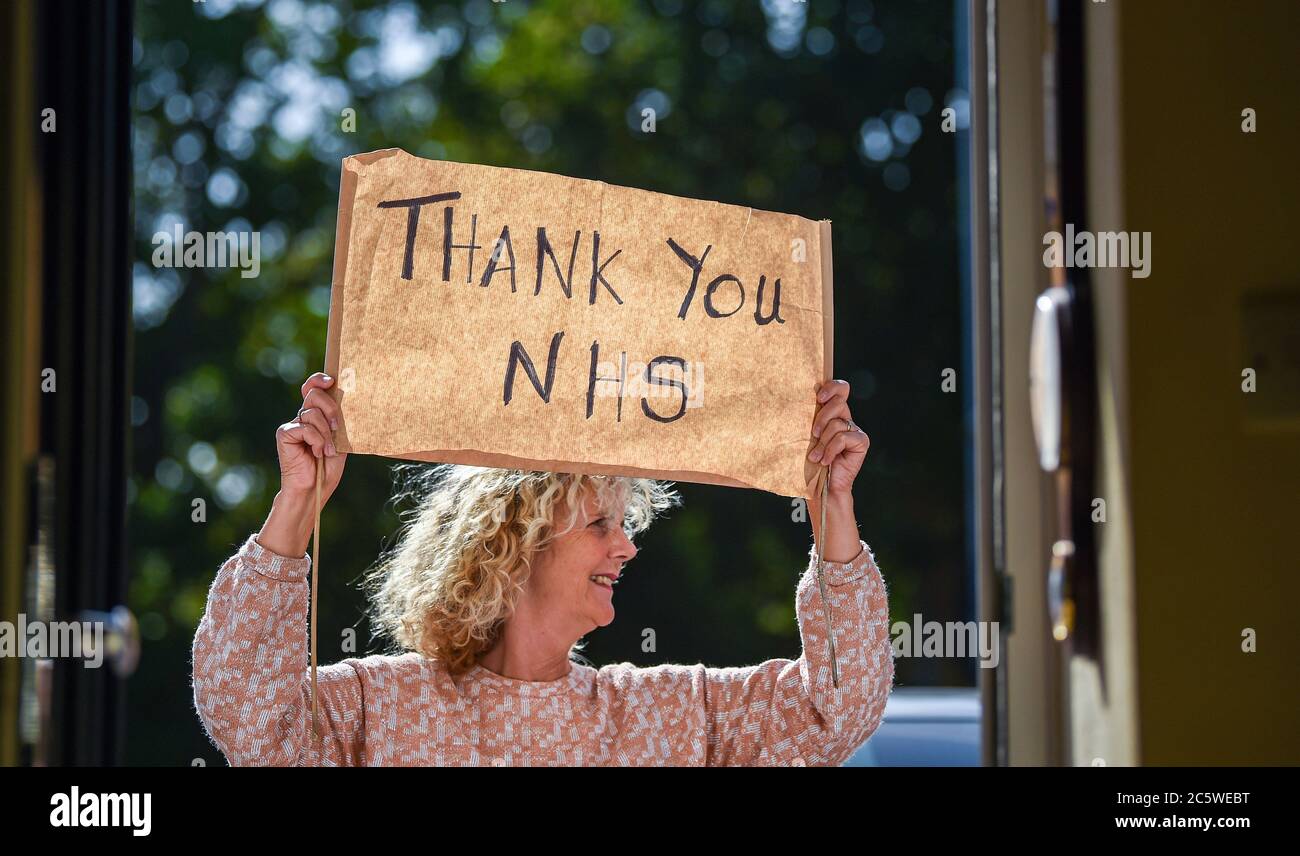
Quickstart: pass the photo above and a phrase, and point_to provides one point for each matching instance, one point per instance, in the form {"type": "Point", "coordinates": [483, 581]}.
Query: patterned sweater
{"type": "Point", "coordinates": [252, 690]}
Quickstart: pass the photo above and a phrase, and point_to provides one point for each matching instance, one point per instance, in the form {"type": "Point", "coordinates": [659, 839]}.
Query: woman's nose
{"type": "Point", "coordinates": [624, 548]}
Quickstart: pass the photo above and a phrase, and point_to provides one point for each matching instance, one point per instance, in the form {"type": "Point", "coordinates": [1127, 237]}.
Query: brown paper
{"type": "Point", "coordinates": [422, 339]}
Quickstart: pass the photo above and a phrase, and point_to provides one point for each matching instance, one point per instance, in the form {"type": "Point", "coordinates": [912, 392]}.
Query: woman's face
{"type": "Point", "coordinates": [561, 584]}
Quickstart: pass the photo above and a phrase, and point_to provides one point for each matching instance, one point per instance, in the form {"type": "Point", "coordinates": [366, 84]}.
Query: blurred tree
{"type": "Point", "coordinates": [827, 109]}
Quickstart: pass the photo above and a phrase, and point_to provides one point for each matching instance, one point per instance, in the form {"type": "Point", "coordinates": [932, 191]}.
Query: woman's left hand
{"type": "Point", "coordinates": [841, 444]}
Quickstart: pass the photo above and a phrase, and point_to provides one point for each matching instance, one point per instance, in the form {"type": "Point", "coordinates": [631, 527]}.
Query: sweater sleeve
{"type": "Point", "coordinates": [788, 712]}
{"type": "Point", "coordinates": [252, 680]}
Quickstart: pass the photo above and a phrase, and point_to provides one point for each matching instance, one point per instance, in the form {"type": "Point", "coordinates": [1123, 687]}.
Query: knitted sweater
{"type": "Point", "coordinates": [252, 690]}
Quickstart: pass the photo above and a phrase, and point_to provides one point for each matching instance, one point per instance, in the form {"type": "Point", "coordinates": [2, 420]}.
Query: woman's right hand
{"type": "Point", "coordinates": [299, 444]}
{"type": "Point", "coordinates": [310, 435]}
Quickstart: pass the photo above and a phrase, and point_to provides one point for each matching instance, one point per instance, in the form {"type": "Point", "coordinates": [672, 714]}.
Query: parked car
{"type": "Point", "coordinates": [925, 727]}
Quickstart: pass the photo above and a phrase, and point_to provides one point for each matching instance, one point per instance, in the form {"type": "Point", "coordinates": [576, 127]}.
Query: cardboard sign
{"type": "Point", "coordinates": [510, 318]}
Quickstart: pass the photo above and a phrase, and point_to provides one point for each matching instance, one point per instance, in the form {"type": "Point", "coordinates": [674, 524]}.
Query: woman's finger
{"type": "Point", "coordinates": [831, 409]}
{"type": "Point", "coordinates": [844, 440]}
{"type": "Point", "coordinates": [833, 429]}
{"type": "Point", "coordinates": [317, 397]}
{"type": "Point", "coordinates": [831, 389]}
{"type": "Point", "coordinates": [305, 434]}
{"type": "Point", "coordinates": [316, 419]}
{"type": "Point", "coordinates": [319, 379]}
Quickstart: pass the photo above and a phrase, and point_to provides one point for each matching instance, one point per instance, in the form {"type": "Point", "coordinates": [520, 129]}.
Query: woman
{"type": "Point", "coordinates": [491, 586]}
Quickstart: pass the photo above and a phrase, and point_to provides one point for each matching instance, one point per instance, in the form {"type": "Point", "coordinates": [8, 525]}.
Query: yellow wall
{"type": "Point", "coordinates": [1215, 492]}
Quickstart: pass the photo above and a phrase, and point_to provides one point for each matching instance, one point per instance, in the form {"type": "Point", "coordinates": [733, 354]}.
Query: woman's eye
{"type": "Point", "coordinates": [599, 521]}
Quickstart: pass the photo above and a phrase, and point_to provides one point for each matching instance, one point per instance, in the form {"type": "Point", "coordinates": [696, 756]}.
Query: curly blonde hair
{"type": "Point", "coordinates": [466, 548]}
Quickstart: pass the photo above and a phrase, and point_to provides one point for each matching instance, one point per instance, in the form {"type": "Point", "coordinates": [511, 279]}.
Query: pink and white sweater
{"type": "Point", "coordinates": [252, 690]}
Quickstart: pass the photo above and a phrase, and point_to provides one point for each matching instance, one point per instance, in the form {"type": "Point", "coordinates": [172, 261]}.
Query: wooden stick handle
{"type": "Point", "coordinates": [821, 580]}
{"type": "Point", "coordinates": [315, 579]}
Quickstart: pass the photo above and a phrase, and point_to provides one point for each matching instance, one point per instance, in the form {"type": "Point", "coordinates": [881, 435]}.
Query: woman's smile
{"type": "Point", "coordinates": [604, 581]}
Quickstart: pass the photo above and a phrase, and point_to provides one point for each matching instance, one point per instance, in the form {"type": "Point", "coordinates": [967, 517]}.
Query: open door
{"type": "Point", "coordinates": [67, 234]}
{"type": "Point", "coordinates": [1139, 405]}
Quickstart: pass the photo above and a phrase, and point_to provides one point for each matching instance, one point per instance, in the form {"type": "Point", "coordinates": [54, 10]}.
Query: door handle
{"type": "Point", "coordinates": [1060, 361]}
{"type": "Point", "coordinates": [121, 639]}
{"type": "Point", "coordinates": [1060, 595]}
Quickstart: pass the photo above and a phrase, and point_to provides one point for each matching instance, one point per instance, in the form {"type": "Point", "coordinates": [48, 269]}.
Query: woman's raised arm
{"type": "Point", "coordinates": [252, 687]}
{"type": "Point", "coordinates": [788, 712]}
